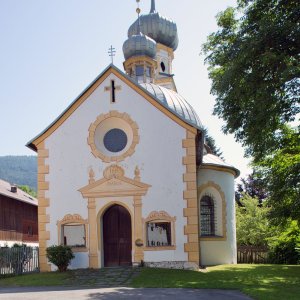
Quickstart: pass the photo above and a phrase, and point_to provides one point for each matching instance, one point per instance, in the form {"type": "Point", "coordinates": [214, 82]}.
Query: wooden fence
{"type": "Point", "coordinates": [19, 260]}
{"type": "Point", "coordinates": [252, 255]}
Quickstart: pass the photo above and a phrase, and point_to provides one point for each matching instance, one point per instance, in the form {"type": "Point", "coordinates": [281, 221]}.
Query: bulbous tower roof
{"type": "Point", "coordinates": [158, 27]}
{"type": "Point", "coordinates": [139, 45]}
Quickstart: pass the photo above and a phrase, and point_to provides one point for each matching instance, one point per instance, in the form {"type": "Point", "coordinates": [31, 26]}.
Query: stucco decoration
{"type": "Point", "coordinates": [157, 217]}
{"type": "Point", "coordinates": [114, 184]}
{"type": "Point", "coordinates": [103, 124]}
{"type": "Point", "coordinates": [74, 219]}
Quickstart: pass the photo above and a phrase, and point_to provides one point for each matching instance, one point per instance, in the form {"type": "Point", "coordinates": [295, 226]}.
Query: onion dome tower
{"type": "Point", "coordinates": [140, 52]}
{"type": "Point", "coordinates": [163, 32]}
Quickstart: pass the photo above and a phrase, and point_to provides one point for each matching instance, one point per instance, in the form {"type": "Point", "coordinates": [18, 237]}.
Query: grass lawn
{"type": "Point", "coordinates": [263, 282]}
{"type": "Point", "coordinates": [36, 279]}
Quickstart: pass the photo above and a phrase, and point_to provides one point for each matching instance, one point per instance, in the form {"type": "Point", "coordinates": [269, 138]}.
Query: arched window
{"type": "Point", "coordinates": [207, 216]}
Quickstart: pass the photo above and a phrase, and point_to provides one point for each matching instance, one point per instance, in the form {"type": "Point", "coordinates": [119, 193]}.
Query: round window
{"type": "Point", "coordinates": [115, 140]}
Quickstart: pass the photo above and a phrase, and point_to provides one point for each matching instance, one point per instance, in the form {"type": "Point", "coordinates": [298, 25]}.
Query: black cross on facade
{"type": "Point", "coordinates": [112, 88]}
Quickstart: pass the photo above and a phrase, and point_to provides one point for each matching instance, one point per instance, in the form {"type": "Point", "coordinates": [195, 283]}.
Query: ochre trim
{"type": "Point", "coordinates": [140, 60]}
{"type": "Point", "coordinates": [70, 111]}
{"type": "Point", "coordinates": [164, 80]}
{"type": "Point", "coordinates": [104, 117]}
{"type": "Point", "coordinates": [165, 48]}
{"type": "Point", "coordinates": [73, 219]}
{"type": "Point", "coordinates": [146, 61]}
{"type": "Point", "coordinates": [116, 174]}
{"type": "Point", "coordinates": [190, 196]}
{"type": "Point", "coordinates": [43, 203]}
{"type": "Point", "coordinates": [157, 217]}
{"type": "Point", "coordinates": [201, 189]}
{"type": "Point", "coordinates": [159, 248]}
{"type": "Point", "coordinates": [217, 168]}
{"type": "Point", "coordinates": [81, 99]}
{"type": "Point", "coordinates": [114, 184]}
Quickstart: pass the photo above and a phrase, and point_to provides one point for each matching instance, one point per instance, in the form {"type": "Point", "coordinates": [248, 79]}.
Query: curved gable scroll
{"type": "Point", "coordinates": [159, 216]}
{"type": "Point", "coordinates": [67, 219]}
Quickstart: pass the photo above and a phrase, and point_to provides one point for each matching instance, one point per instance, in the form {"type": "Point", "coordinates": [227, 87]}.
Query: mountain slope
{"type": "Point", "coordinates": [20, 170]}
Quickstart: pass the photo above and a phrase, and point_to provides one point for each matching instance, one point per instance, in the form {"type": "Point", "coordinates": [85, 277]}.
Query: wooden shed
{"type": "Point", "coordinates": [18, 216]}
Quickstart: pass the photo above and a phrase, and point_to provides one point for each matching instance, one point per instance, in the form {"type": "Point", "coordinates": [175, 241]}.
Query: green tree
{"type": "Point", "coordinates": [252, 224]}
{"type": "Point", "coordinates": [280, 172]}
{"type": "Point", "coordinates": [27, 189]}
{"type": "Point", "coordinates": [211, 143]}
{"type": "Point", "coordinates": [285, 246]}
{"type": "Point", "coordinates": [254, 66]}
{"type": "Point", "coordinates": [253, 186]}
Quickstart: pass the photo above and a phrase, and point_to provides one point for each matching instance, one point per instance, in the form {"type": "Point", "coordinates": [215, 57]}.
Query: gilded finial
{"type": "Point", "coordinates": [138, 10]}
{"type": "Point", "coordinates": [137, 173]}
{"type": "Point", "coordinates": [92, 175]}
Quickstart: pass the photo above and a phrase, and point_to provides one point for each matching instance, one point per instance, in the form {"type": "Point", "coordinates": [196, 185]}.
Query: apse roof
{"type": "Point", "coordinates": [213, 160]}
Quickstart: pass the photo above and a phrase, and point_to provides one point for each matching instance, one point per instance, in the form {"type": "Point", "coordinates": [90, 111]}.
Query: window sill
{"type": "Point", "coordinates": [212, 238]}
{"type": "Point", "coordinates": [159, 248]}
{"type": "Point", "coordinates": [79, 249]}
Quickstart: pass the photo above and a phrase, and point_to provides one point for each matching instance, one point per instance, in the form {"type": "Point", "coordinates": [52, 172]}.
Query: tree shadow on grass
{"type": "Point", "coordinates": [259, 281]}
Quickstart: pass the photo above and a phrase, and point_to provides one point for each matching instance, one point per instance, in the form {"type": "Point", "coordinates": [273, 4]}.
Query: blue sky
{"type": "Point", "coordinates": [50, 50]}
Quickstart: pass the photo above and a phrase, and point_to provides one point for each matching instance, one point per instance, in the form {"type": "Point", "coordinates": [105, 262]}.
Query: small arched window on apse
{"type": "Point", "coordinates": [207, 216]}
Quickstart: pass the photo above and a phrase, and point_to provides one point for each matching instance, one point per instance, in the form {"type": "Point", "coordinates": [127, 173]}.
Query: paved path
{"type": "Point", "coordinates": [117, 293]}
{"type": "Point", "coordinates": [103, 278]}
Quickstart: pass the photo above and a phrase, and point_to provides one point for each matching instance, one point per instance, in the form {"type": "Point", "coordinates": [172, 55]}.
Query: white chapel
{"type": "Point", "coordinates": [124, 174]}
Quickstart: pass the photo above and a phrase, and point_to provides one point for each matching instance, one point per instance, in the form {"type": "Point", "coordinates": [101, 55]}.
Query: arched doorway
{"type": "Point", "coordinates": [117, 237]}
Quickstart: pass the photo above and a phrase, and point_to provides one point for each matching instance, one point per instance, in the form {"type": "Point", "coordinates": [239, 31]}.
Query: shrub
{"type": "Point", "coordinates": [285, 253]}
{"type": "Point", "coordinates": [285, 248]}
{"type": "Point", "coordinates": [60, 256]}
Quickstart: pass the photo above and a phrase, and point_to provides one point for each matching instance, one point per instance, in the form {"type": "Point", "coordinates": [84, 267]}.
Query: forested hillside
{"type": "Point", "coordinates": [20, 170]}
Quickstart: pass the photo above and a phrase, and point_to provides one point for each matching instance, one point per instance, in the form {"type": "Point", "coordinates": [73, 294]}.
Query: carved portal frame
{"type": "Point", "coordinates": [115, 184]}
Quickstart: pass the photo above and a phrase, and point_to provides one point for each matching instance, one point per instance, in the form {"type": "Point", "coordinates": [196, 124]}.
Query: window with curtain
{"type": "Point", "coordinates": [159, 234]}
{"type": "Point", "coordinates": [74, 235]}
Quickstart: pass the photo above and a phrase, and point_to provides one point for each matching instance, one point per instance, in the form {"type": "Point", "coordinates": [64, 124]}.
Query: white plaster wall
{"type": "Point", "coordinates": [163, 56]}
{"type": "Point", "coordinates": [11, 243]}
{"type": "Point", "coordinates": [220, 252]}
{"type": "Point", "coordinates": [158, 155]}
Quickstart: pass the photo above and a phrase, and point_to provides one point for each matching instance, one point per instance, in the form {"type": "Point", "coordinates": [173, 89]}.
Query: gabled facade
{"type": "Point", "coordinates": [122, 173]}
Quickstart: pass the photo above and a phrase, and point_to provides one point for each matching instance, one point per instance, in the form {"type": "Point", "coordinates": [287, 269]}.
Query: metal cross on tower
{"type": "Point", "coordinates": [112, 53]}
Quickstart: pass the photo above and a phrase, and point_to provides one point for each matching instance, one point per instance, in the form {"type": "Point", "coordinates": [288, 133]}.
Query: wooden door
{"type": "Point", "coordinates": [117, 237]}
